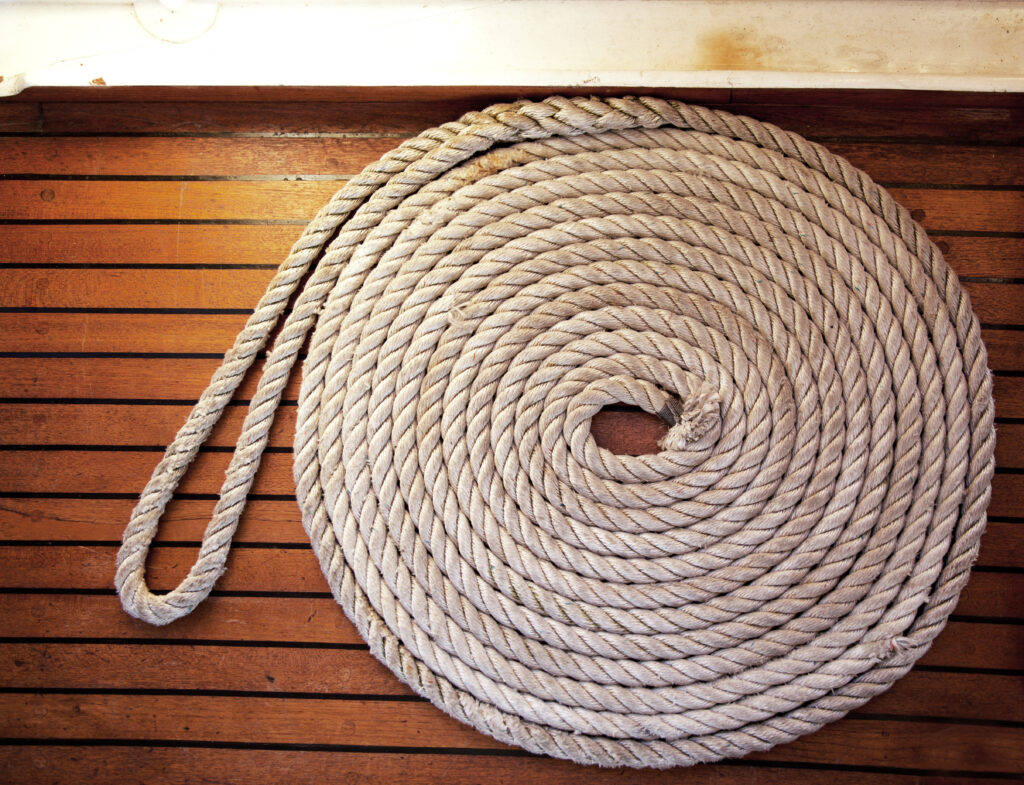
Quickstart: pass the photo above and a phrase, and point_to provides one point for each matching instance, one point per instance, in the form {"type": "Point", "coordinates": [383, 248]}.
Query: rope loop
{"type": "Point", "coordinates": [477, 296]}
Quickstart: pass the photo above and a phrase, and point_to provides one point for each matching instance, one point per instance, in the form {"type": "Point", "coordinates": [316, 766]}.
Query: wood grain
{"type": "Point", "coordinates": [288, 570]}
{"type": "Point", "coordinates": [71, 471]}
{"type": "Point", "coordinates": [101, 521]}
{"type": "Point", "coordinates": [159, 200]}
{"type": "Point", "coordinates": [972, 210]}
{"type": "Point", "coordinates": [229, 245]}
{"type": "Point", "coordinates": [861, 742]}
{"type": "Point", "coordinates": [320, 622]}
{"type": "Point", "coordinates": [170, 379]}
{"type": "Point", "coordinates": [179, 156]}
{"type": "Point", "coordinates": [115, 764]}
{"type": "Point", "coordinates": [628, 433]}
{"type": "Point", "coordinates": [212, 334]}
{"type": "Point", "coordinates": [268, 681]}
{"type": "Point", "coordinates": [343, 672]}
{"type": "Point", "coordinates": [994, 303]}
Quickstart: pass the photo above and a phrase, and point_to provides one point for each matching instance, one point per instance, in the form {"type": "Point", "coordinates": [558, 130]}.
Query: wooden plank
{"type": "Point", "coordinates": [185, 520]}
{"type": "Point", "coordinates": [70, 471]}
{"type": "Point", "coordinates": [855, 742]}
{"type": "Point", "coordinates": [238, 719]}
{"type": "Point", "coordinates": [61, 200]}
{"type": "Point", "coordinates": [319, 621]}
{"type": "Point", "coordinates": [190, 244]}
{"type": "Point", "coordinates": [970, 125]}
{"type": "Point", "coordinates": [997, 303]}
{"type": "Point", "coordinates": [934, 164]}
{"type": "Point", "coordinates": [816, 114]}
{"type": "Point", "coordinates": [894, 100]}
{"type": "Point", "coordinates": [215, 333]}
{"type": "Point", "coordinates": [993, 257]}
{"type": "Point", "coordinates": [92, 666]}
{"type": "Point", "coordinates": [967, 644]}
{"type": "Point", "coordinates": [878, 136]}
{"type": "Point", "coordinates": [19, 117]}
{"type": "Point", "coordinates": [187, 200]}
{"type": "Point", "coordinates": [264, 521]}
{"type": "Point", "coordinates": [159, 244]}
{"type": "Point", "coordinates": [129, 378]}
{"type": "Point", "coordinates": [206, 157]}
{"type": "Point", "coordinates": [993, 594]}
{"type": "Point", "coordinates": [1005, 349]}
{"type": "Point", "coordinates": [116, 765]}
{"type": "Point", "coordinates": [100, 332]}
{"type": "Point", "coordinates": [209, 289]}
{"type": "Point", "coordinates": [1002, 545]}
{"type": "Point", "coordinates": [90, 472]}
{"type": "Point", "coordinates": [1008, 392]}
{"type": "Point", "coordinates": [964, 210]}
{"type": "Point", "coordinates": [1010, 445]}
{"type": "Point", "coordinates": [357, 93]}
{"type": "Point", "coordinates": [118, 377]}
{"type": "Point", "coordinates": [487, 93]}
{"type": "Point", "coordinates": [92, 567]}
{"type": "Point", "coordinates": [184, 380]}
{"type": "Point", "coordinates": [633, 433]}
{"type": "Point", "coordinates": [1007, 496]}
{"type": "Point", "coordinates": [994, 303]}
{"type": "Point", "coordinates": [203, 157]}
{"type": "Point", "coordinates": [275, 670]}
{"type": "Point", "coordinates": [124, 425]}
{"type": "Point", "coordinates": [246, 117]}
{"type": "Point", "coordinates": [310, 621]}
{"type": "Point", "coordinates": [103, 424]}
{"type": "Point", "coordinates": [280, 570]}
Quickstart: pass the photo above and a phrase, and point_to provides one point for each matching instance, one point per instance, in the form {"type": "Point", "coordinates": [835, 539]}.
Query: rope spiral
{"type": "Point", "coordinates": [481, 292]}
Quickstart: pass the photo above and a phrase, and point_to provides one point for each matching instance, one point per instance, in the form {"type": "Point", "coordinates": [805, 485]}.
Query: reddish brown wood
{"type": "Point", "coordinates": [282, 670]}
{"type": "Point", "coordinates": [122, 244]}
{"type": "Point", "coordinates": [295, 569]}
{"type": "Point", "coordinates": [941, 124]}
{"type": "Point", "coordinates": [340, 672]}
{"type": "Point", "coordinates": [62, 627]}
{"type": "Point", "coordinates": [114, 765]}
{"type": "Point", "coordinates": [313, 621]}
{"type": "Point", "coordinates": [214, 333]}
{"type": "Point", "coordinates": [54, 520]}
{"type": "Point", "coordinates": [319, 621]}
{"type": "Point", "coordinates": [995, 303]}
{"type": "Point", "coordinates": [860, 742]}
{"type": "Point", "coordinates": [206, 157]}
{"type": "Point", "coordinates": [184, 379]}
{"type": "Point", "coordinates": [936, 209]}
{"type": "Point", "coordinates": [133, 200]}
{"type": "Point", "coordinates": [203, 156]}
{"type": "Point", "coordinates": [899, 99]}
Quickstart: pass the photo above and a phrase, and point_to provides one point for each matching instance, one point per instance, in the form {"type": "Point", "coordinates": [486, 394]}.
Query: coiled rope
{"type": "Point", "coordinates": [481, 292]}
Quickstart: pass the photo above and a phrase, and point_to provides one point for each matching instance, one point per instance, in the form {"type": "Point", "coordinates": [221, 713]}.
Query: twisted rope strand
{"type": "Point", "coordinates": [480, 293]}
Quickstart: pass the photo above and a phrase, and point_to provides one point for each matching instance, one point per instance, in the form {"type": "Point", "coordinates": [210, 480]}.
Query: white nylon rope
{"type": "Point", "coordinates": [480, 293]}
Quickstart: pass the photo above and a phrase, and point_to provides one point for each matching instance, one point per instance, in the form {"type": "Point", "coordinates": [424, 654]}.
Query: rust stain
{"type": "Point", "coordinates": [99, 81]}
{"type": "Point", "coordinates": [732, 50]}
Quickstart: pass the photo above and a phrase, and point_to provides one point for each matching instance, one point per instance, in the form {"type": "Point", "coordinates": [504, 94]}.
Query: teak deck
{"type": "Point", "coordinates": [135, 233]}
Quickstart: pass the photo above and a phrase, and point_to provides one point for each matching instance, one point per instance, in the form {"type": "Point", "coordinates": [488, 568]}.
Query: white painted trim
{"type": "Point", "coordinates": [875, 44]}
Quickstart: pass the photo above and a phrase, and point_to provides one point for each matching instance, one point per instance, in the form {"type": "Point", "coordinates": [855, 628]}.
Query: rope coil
{"type": "Point", "coordinates": [486, 288]}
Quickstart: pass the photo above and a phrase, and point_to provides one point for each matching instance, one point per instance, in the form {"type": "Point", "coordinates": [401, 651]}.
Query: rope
{"type": "Point", "coordinates": [480, 293]}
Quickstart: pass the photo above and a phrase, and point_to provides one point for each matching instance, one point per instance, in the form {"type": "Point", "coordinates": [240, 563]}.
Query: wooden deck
{"type": "Point", "coordinates": [135, 233]}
